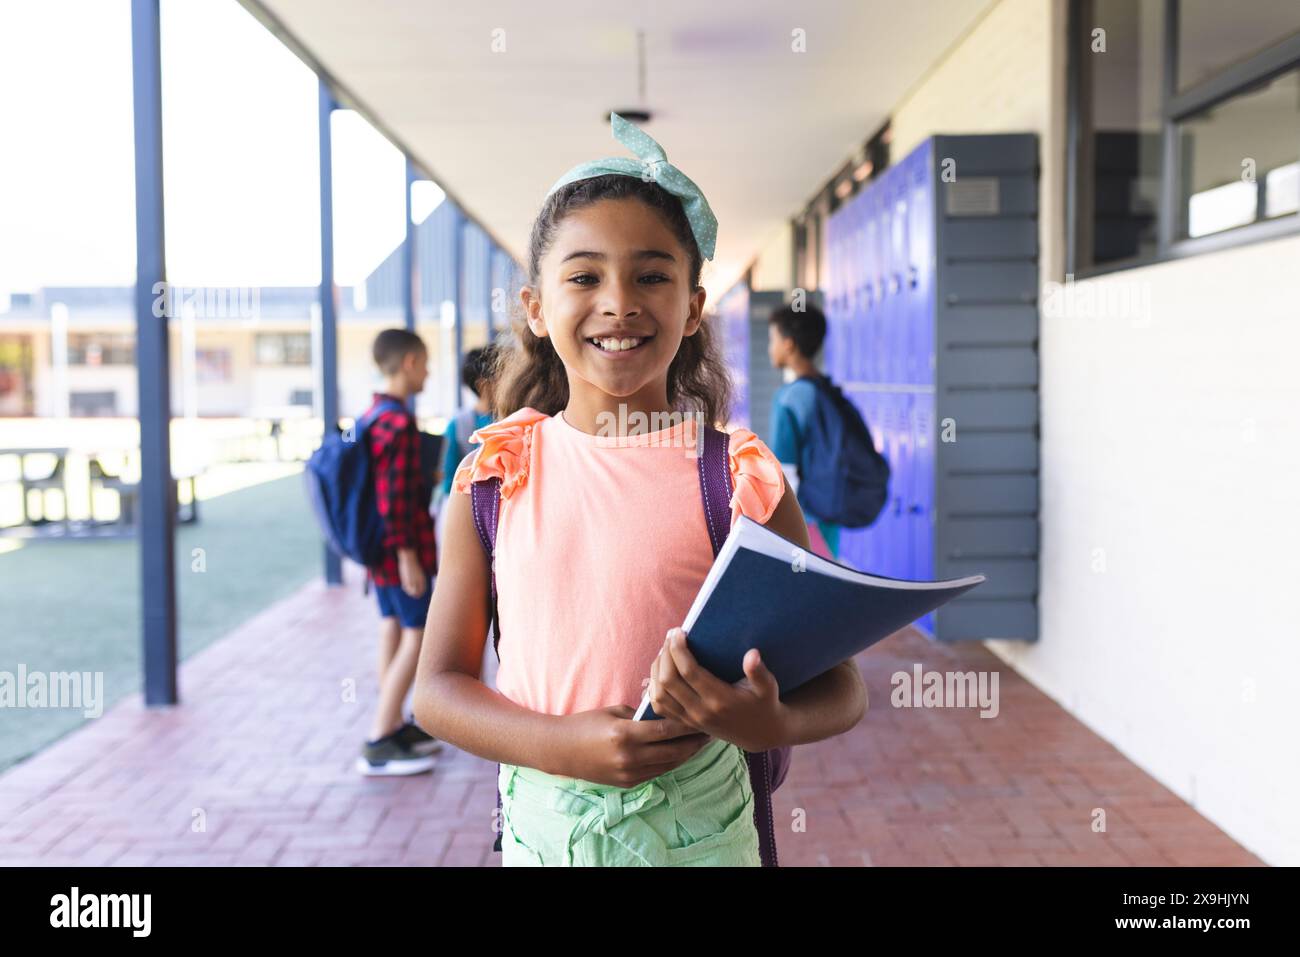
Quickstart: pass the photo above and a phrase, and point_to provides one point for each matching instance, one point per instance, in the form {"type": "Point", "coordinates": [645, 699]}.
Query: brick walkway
{"type": "Point", "coordinates": [260, 754]}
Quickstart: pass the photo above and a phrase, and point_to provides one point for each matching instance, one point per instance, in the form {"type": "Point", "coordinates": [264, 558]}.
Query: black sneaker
{"type": "Point", "coordinates": [392, 756]}
{"type": "Point", "coordinates": [420, 742]}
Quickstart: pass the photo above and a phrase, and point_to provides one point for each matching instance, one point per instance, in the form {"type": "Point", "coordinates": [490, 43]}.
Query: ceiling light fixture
{"type": "Point", "coordinates": [639, 114]}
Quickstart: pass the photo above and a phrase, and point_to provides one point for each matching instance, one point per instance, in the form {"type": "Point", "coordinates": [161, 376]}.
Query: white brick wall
{"type": "Point", "coordinates": [1007, 75]}
{"type": "Point", "coordinates": [773, 264]}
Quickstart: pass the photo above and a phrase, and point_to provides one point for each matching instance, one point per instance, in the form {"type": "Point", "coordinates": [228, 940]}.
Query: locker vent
{"type": "Point", "coordinates": [973, 196]}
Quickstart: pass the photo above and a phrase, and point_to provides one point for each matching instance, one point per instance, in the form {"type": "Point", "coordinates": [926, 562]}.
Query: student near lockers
{"type": "Point", "coordinates": [403, 579]}
{"type": "Point", "coordinates": [476, 374]}
{"type": "Point", "coordinates": [794, 339]}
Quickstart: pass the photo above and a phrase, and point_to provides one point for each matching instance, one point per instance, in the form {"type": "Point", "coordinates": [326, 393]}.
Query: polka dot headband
{"type": "Point", "coordinates": [651, 165]}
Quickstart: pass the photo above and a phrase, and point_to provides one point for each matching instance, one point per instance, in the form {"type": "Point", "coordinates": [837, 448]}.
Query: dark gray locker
{"type": "Point", "coordinates": [764, 380]}
{"type": "Point", "coordinates": [986, 383]}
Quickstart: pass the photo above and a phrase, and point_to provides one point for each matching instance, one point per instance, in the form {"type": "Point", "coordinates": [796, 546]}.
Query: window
{"type": "Point", "coordinates": [1213, 35]}
{"type": "Point", "coordinates": [283, 348]}
{"type": "Point", "coordinates": [88, 404]}
{"type": "Point", "coordinates": [1184, 127]}
{"type": "Point", "coordinates": [1122, 124]}
{"type": "Point", "coordinates": [1239, 159]}
{"type": "Point", "coordinates": [101, 349]}
{"type": "Point", "coordinates": [213, 365]}
{"type": "Point", "coordinates": [15, 375]}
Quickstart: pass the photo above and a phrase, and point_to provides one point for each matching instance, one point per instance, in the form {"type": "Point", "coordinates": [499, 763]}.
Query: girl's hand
{"type": "Point", "coordinates": [607, 747]}
{"type": "Point", "coordinates": [749, 714]}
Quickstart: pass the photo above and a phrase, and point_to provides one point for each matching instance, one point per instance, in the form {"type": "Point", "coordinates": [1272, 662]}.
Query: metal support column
{"type": "Point", "coordinates": [494, 255]}
{"type": "Point", "coordinates": [410, 259]}
{"type": "Point", "coordinates": [157, 508]}
{"type": "Point", "coordinates": [329, 311]}
{"type": "Point", "coordinates": [491, 286]}
{"type": "Point", "coordinates": [458, 286]}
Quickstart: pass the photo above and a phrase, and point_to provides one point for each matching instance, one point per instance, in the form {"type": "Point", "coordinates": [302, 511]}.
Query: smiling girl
{"type": "Point", "coordinates": [602, 544]}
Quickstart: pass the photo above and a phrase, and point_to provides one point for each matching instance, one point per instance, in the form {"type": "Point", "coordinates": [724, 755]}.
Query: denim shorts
{"type": "Point", "coordinates": [697, 815]}
{"type": "Point", "coordinates": [395, 603]}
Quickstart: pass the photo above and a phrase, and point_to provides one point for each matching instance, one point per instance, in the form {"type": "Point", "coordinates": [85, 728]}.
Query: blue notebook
{"type": "Point", "coordinates": [804, 613]}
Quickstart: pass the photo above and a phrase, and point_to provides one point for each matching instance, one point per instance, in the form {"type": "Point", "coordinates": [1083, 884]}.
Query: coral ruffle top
{"type": "Point", "coordinates": [601, 548]}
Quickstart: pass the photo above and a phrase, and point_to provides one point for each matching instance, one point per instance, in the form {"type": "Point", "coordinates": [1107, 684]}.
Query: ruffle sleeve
{"type": "Point", "coordinates": [756, 475]}
{"type": "Point", "coordinates": [504, 452]}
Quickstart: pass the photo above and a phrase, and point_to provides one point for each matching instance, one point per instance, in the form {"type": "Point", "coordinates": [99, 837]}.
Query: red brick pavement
{"type": "Point", "coordinates": [255, 768]}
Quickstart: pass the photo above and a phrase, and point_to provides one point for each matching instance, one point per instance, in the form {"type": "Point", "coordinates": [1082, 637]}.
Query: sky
{"type": "Point", "coordinates": [240, 147]}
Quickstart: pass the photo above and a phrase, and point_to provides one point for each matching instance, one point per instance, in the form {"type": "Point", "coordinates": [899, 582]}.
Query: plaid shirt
{"type": "Point", "coordinates": [401, 493]}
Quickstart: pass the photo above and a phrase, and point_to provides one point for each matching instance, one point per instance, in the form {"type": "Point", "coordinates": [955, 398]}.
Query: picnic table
{"type": "Point", "coordinates": [42, 482]}
{"type": "Point", "coordinates": [128, 493]}
{"type": "Point", "coordinates": [55, 478]}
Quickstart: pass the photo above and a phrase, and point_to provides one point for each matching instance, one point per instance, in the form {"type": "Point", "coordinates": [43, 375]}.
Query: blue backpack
{"type": "Point", "coordinates": [842, 478]}
{"type": "Point", "coordinates": [341, 490]}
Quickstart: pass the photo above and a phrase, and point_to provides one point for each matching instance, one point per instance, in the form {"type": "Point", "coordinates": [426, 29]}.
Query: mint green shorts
{"type": "Point", "coordinates": [698, 815]}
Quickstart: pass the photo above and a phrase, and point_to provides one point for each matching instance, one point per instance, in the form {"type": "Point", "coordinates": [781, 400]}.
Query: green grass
{"type": "Point", "coordinates": [75, 605]}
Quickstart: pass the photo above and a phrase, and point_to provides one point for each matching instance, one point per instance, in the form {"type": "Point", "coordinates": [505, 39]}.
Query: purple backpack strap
{"type": "Point", "coordinates": [767, 769]}
{"type": "Point", "coordinates": [485, 501]}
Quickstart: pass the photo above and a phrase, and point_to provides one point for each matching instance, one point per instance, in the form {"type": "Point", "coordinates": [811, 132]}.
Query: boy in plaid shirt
{"type": "Point", "coordinates": [404, 578]}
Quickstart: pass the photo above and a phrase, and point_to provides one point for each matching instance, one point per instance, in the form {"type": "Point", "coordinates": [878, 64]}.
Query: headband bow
{"type": "Point", "coordinates": [651, 165]}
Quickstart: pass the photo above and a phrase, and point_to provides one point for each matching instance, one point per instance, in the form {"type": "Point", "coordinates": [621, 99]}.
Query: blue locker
{"type": "Point", "coordinates": [884, 524]}
{"type": "Point", "coordinates": [913, 307]}
{"type": "Point", "coordinates": [902, 493]}
{"type": "Point", "coordinates": [893, 284]}
{"type": "Point", "coordinates": [899, 261]}
{"type": "Point", "coordinates": [885, 265]}
{"type": "Point", "coordinates": [854, 541]}
{"type": "Point", "coordinates": [901, 550]}
{"type": "Point", "coordinates": [851, 543]}
{"type": "Point", "coordinates": [871, 411]}
{"type": "Point", "coordinates": [880, 273]}
{"type": "Point", "coordinates": [835, 292]}
{"type": "Point", "coordinates": [898, 275]}
{"type": "Point", "coordinates": [923, 488]}
{"type": "Point", "coordinates": [872, 358]}
{"type": "Point", "coordinates": [832, 290]}
{"type": "Point", "coordinates": [874, 268]}
{"type": "Point", "coordinates": [888, 302]}
{"type": "Point", "coordinates": [915, 404]}
{"type": "Point", "coordinates": [921, 241]}
{"type": "Point", "coordinates": [902, 546]}
{"type": "Point", "coordinates": [845, 361]}
{"type": "Point", "coordinates": [923, 462]}
{"type": "Point", "coordinates": [851, 295]}
{"type": "Point", "coordinates": [843, 354]}
{"type": "Point", "coordinates": [838, 361]}
{"type": "Point", "coordinates": [889, 516]}
{"type": "Point", "coordinates": [850, 292]}
{"type": "Point", "coordinates": [853, 250]}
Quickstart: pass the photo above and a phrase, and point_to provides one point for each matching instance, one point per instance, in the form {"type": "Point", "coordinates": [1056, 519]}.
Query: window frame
{"type": "Point", "coordinates": [1267, 64]}
{"type": "Point", "coordinates": [110, 344]}
{"type": "Point", "coordinates": [284, 338]}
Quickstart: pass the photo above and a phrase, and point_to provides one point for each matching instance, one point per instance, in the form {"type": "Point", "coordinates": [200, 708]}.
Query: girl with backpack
{"type": "Point", "coordinates": [590, 507]}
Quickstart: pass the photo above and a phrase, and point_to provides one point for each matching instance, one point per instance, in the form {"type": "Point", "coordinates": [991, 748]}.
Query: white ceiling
{"type": "Point", "coordinates": [757, 126]}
